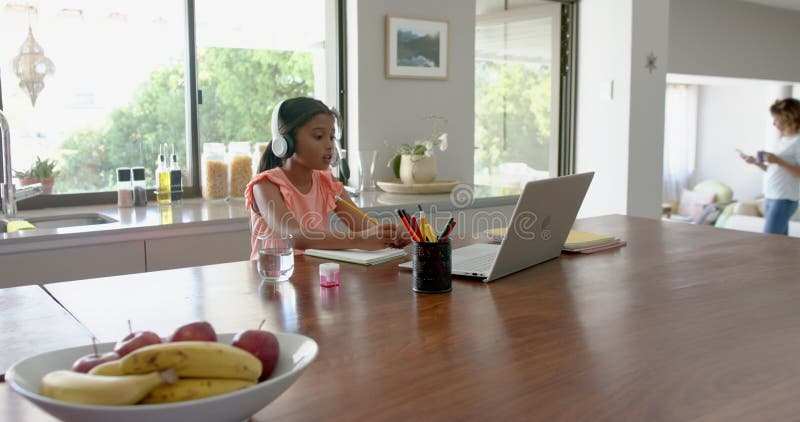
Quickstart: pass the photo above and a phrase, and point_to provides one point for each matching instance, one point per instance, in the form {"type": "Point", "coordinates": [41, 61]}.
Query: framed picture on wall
{"type": "Point", "coordinates": [416, 48]}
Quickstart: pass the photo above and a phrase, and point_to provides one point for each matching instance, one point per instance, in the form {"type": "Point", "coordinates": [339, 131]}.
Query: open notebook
{"type": "Point", "coordinates": [358, 256]}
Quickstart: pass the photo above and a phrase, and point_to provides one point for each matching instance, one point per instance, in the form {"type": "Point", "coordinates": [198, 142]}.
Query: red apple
{"type": "Point", "coordinates": [195, 331]}
{"type": "Point", "coordinates": [263, 345]}
{"type": "Point", "coordinates": [86, 363]}
{"type": "Point", "coordinates": [136, 340]}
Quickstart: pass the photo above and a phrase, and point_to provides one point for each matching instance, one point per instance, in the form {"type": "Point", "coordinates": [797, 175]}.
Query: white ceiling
{"type": "Point", "coordinates": [783, 4]}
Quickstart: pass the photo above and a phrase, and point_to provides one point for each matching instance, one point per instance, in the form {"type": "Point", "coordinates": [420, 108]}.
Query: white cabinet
{"type": "Point", "coordinates": [194, 250]}
{"type": "Point", "coordinates": [72, 263]}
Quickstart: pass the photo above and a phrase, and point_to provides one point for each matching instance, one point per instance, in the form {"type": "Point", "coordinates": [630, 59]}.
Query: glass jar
{"type": "Point", "coordinates": [240, 168]}
{"type": "Point", "coordinates": [214, 171]}
{"type": "Point", "coordinates": [139, 187]}
{"type": "Point", "coordinates": [124, 188]}
{"type": "Point", "coordinates": [258, 152]}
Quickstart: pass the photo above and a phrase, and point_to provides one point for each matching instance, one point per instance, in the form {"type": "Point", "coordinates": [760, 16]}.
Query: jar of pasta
{"type": "Point", "coordinates": [240, 168]}
{"type": "Point", "coordinates": [214, 171]}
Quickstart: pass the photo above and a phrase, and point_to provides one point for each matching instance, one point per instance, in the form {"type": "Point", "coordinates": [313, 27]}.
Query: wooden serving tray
{"type": "Point", "coordinates": [396, 186]}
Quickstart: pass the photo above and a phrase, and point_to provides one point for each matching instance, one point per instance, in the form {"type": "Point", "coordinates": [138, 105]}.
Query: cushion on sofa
{"type": "Point", "coordinates": [722, 192]}
{"type": "Point", "coordinates": [747, 208]}
{"type": "Point", "coordinates": [692, 203]}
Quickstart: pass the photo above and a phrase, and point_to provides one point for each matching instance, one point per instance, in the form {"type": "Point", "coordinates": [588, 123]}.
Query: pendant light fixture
{"type": "Point", "coordinates": [31, 66]}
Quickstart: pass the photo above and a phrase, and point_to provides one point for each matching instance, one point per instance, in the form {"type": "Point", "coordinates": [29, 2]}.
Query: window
{"type": "Point", "coordinates": [114, 95]}
{"type": "Point", "coordinates": [253, 53]}
{"type": "Point", "coordinates": [517, 62]}
{"type": "Point", "coordinates": [120, 85]}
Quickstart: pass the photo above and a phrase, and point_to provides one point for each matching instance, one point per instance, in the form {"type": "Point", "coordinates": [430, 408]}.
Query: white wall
{"type": "Point", "coordinates": [602, 119]}
{"type": "Point", "coordinates": [621, 138]}
{"type": "Point", "coordinates": [648, 92]}
{"type": "Point", "coordinates": [392, 110]}
{"type": "Point", "coordinates": [730, 117]}
{"type": "Point", "coordinates": [735, 39]}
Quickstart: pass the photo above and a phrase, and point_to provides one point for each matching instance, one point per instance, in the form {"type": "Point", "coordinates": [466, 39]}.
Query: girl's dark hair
{"type": "Point", "coordinates": [294, 113]}
{"type": "Point", "coordinates": [787, 110]}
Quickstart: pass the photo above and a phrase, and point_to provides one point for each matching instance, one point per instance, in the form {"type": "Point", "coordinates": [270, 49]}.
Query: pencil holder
{"type": "Point", "coordinates": [430, 265]}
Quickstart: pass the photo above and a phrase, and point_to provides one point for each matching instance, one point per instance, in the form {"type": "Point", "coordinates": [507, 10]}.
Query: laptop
{"type": "Point", "coordinates": [541, 221]}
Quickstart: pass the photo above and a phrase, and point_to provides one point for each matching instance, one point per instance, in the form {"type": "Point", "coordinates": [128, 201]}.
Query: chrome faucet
{"type": "Point", "coordinates": [10, 195]}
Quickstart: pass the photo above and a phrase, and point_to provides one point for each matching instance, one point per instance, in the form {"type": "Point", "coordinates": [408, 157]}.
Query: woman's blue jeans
{"type": "Point", "coordinates": [777, 213]}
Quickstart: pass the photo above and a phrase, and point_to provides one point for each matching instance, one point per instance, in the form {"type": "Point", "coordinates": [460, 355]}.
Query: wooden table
{"type": "Point", "coordinates": [686, 322]}
{"type": "Point", "coordinates": [32, 322]}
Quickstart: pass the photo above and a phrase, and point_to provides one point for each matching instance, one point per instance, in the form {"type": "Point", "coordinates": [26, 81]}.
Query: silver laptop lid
{"type": "Point", "coordinates": [542, 219]}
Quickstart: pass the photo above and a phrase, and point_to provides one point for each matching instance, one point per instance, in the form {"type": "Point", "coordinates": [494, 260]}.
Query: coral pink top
{"type": "Point", "coordinates": [312, 210]}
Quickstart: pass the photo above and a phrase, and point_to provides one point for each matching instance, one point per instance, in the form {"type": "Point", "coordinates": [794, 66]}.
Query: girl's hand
{"type": "Point", "coordinates": [402, 239]}
{"type": "Point", "coordinates": [378, 237]}
{"type": "Point", "coordinates": [749, 159]}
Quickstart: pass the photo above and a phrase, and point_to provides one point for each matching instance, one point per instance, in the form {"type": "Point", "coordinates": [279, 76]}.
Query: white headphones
{"type": "Point", "coordinates": [282, 144]}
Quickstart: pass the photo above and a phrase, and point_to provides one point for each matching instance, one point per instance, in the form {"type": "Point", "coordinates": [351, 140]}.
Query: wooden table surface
{"type": "Point", "coordinates": [686, 322]}
{"type": "Point", "coordinates": [32, 322]}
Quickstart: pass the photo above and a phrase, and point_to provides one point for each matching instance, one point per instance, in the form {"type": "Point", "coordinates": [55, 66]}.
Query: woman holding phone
{"type": "Point", "coordinates": [781, 162]}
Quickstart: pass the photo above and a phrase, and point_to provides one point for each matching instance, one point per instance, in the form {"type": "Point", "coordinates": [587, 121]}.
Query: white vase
{"type": "Point", "coordinates": [417, 169]}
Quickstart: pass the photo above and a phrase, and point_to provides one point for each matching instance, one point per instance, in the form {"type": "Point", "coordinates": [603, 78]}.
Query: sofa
{"type": "Point", "coordinates": [700, 205]}
{"type": "Point", "coordinates": [749, 216]}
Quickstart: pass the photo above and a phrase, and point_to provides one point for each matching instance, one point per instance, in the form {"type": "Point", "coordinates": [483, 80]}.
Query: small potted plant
{"type": "Point", "coordinates": [41, 171]}
{"type": "Point", "coordinates": [416, 163]}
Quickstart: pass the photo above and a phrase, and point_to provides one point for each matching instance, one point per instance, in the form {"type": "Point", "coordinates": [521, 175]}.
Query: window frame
{"type": "Point", "coordinates": [191, 96]}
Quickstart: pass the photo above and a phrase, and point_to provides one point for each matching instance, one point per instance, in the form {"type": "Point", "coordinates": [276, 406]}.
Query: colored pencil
{"type": "Point", "coordinates": [357, 210]}
{"type": "Point", "coordinates": [447, 230]}
{"type": "Point", "coordinates": [415, 226]}
{"type": "Point", "coordinates": [423, 226]}
{"type": "Point", "coordinates": [408, 227]}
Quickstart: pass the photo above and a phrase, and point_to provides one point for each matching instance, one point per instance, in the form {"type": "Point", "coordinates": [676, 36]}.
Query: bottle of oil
{"type": "Point", "coordinates": [163, 195]}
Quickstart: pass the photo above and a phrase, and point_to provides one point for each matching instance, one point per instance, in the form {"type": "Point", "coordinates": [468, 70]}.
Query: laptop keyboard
{"type": "Point", "coordinates": [477, 261]}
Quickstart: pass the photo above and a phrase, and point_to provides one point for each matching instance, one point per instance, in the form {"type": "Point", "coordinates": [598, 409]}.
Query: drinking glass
{"type": "Point", "coordinates": [275, 256]}
{"type": "Point", "coordinates": [365, 159]}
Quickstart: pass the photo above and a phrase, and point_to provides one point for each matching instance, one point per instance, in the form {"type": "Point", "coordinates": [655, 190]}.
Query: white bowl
{"type": "Point", "coordinates": [296, 352]}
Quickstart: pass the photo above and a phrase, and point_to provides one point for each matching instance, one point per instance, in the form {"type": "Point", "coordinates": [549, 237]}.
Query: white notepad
{"type": "Point", "coordinates": [358, 256]}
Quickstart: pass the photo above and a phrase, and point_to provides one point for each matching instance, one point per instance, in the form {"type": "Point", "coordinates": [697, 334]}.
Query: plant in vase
{"type": "Point", "coordinates": [41, 171]}
{"type": "Point", "coordinates": [416, 163]}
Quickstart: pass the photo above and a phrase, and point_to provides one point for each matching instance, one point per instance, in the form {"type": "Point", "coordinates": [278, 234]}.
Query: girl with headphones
{"type": "Point", "coordinates": [294, 191]}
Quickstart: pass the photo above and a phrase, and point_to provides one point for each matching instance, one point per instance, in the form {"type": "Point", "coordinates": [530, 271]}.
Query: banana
{"type": "Point", "coordinates": [76, 387]}
{"type": "Point", "coordinates": [193, 389]}
{"type": "Point", "coordinates": [113, 367]}
{"type": "Point", "coordinates": [192, 359]}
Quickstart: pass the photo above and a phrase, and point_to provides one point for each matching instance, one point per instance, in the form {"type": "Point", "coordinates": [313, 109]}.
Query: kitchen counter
{"type": "Point", "coordinates": [198, 216]}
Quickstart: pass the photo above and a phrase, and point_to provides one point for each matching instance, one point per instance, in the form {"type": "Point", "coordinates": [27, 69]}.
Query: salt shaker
{"type": "Point", "coordinates": [124, 188]}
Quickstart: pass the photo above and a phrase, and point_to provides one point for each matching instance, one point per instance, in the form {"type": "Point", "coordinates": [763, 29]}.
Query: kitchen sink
{"type": "Point", "coordinates": [59, 221]}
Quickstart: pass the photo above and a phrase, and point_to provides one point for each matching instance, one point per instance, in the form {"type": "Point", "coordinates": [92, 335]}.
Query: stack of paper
{"type": "Point", "coordinates": [358, 256]}
{"type": "Point", "coordinates": [577, 241]}
{"type": "Point", "coordinates": [585, 242]}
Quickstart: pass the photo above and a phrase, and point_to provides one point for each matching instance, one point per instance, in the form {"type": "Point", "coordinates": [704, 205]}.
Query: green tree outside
{"type": "Point", "coordinates": [512, 114]}
{"type": "Point", "coordinates": [240, 87]}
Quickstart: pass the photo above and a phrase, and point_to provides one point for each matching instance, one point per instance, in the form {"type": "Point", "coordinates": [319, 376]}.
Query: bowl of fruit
{"type": "Point", "coordinates": [194, 375]}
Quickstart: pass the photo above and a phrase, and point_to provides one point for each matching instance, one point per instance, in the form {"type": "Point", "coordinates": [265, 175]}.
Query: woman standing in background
{"type": "Point", "coordinates": [781, 162]}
